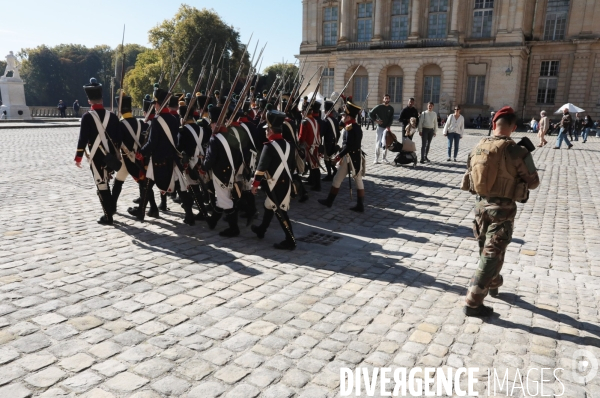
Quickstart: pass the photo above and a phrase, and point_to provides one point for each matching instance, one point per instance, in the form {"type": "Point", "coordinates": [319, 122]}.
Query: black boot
{"type": "Point", "coordinates": [153, 211]}
{"type": "Point", "coordinates": [261, 229]}
{"type": "Point", "coordinates": [107, 207]}
{"type": "Point", "coordinates": [186, 202]}
{"type": "Point", "coordinates": [330, 198]}
{"type": "Point", "coordinates": [199, 200]}
{"type": "Point", "coordinates": [360, 195]}
{"type": "Point", "coordinates": [316, 186]}
{"type": "Point", "coordinates": [163, 202]}
{"type": "Point", "coordinates": [290, 242]}
{"type": "Point", "coordinates": [233, 230]}
{"type": "Point", "coordinates": [146, 195]}
{"type": "Point", "coordinates": [116, 192]}
{"type": "Point", "coordinates": [214, 219]}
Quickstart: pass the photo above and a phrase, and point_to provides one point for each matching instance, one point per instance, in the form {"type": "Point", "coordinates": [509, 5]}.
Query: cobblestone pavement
{"type": "Point", "coordinates": [164, 309]}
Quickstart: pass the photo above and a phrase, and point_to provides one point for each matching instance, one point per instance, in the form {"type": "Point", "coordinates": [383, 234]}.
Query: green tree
{"type": "Point", "coordinates": [131, 52]}
{"type": "Point", "coordinates": [179, 34]}
{"type": "Point", "coordinates": [2, 67]}
{"type": "Point", "coordinates": [139, 80]}
{"type": "Point", "coordinates": [286, 71]}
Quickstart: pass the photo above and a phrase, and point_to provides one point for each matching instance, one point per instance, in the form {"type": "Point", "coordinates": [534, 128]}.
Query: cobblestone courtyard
{"type": "Point", "coordinates": [163, 309]}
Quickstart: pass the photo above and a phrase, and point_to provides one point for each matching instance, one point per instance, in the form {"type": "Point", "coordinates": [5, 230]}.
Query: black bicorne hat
{"type": "Point", "coordinates": [214, 112]}
{"type": "Point", "coordinates": [275, 120]}
{"type": "Point", "coordinates": [262, 103]}
{"type": "Point", "coordinates": [93, 90]}
{"type": "Point", "coordinates": [352, 110]}
{"type": "Point", "coordinates": [246, 106]}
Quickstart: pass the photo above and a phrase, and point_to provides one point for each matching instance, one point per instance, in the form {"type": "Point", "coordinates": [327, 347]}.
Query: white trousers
{"type": "Point", "coordinates": [342, 173]}
{"type": "Point", "coordinates": [380, 142]}
{"type": "Point", "coordinates": [122, 173]}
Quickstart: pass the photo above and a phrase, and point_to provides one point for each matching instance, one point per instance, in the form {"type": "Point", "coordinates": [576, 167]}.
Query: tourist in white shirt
{"type": "Point", "coordinates": [427, 129]}
{"type": "Point", "coordinates": [454, 130]}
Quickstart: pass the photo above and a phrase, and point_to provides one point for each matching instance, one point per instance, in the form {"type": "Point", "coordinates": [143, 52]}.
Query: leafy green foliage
{"type": "Point", "coordinates": [288, 71]}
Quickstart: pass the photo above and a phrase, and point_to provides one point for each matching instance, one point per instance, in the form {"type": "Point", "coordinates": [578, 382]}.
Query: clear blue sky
{"type": "Point", "coordinates": [30, 23]}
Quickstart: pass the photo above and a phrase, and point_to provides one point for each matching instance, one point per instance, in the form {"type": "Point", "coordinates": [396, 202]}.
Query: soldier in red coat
{"type": "Point", "coordinates": [309, 140]}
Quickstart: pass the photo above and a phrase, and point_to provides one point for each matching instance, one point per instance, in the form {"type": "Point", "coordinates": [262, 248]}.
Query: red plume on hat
{"type": "Point", "coordinates": [506, 110]}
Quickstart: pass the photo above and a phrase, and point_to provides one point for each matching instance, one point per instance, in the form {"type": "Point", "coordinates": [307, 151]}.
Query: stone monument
{"type": "Point", "coordinates": [12, 90]}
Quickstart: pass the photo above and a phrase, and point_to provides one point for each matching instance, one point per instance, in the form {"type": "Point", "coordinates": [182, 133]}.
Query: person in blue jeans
{"type": "Point", "coordinates": [454, 130]}
{"type": "Point", "coordinates": [565, 128]}
{"type": "Point", "coordinates": [587, 125]}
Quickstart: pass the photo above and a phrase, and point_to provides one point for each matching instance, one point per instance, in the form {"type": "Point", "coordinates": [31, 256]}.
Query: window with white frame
{"type": "Point", "coordinates": [399, 20]}
{"type": "Point", "coordinates": [431, 89]}
{"type": "Point", "coordinates": [330, 26]}
{"type": "Point", "coordinates": [365, 22]}
{"type": "Point", "coordinates": [394, 88]}
{"type": "Point", "coordinates": [482, 18]}
{"type": "Point", "coordinates": [438, 19]}
{"type": "Point", "coordinates": [548, 82]}
{"type": "Point", "coordinates": [327, 82]}
{"type": "Point", "coordinates": [556, 19]}
{"type": "Point", "coordinates": [475, 90]}
{"type": "Point", "coordinates": [361, 88]}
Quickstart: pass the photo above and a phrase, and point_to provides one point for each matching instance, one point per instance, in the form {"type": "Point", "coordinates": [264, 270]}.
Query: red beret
{"type": "Point", "coordinates": [506, 110]}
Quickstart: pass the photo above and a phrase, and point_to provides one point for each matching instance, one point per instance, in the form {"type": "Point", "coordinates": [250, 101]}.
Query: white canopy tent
{"type": "Point", "coordinates": [572, 108]}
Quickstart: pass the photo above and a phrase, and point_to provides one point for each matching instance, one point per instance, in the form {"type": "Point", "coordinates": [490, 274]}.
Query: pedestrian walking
{"type": "Point", "coordinates": [478, 120]}
{"type": "Point", "coordinates": [490, 127]}
{"type": "Point", "coordinates": [587, 125]}
{"type": "Point", "coordinates": [565, 128]}
{"type": "Point", "coordinates": [76, 108]}
{"type": "Point", "coordinates": [62, 108]}
{"type": "Point", "coordinates": [514, 174]}
{"type": "Point", "coordinates": [544, 126]}
{"type": "Point", "coordinates": [427, 130]}
{"type": "Point", "coordinates": [383, 114]}
{"type": "Point", "coordinates": [454, 130]}
{"type": "Point", "coordinates": [577, 127]}
{"type": "Point", "coordinates": [408, 112]}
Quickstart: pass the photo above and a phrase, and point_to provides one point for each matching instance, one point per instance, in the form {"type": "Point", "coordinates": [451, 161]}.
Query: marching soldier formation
{"type": "Point", "coordinates": [216, 151]}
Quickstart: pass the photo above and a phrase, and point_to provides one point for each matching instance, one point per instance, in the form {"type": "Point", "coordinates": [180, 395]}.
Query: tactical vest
{"type": "Point", "coordinates": [492, 172]}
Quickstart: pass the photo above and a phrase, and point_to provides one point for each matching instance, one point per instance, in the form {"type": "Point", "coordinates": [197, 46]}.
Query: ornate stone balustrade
{"type": "Point", "coordinates": [52, 111]}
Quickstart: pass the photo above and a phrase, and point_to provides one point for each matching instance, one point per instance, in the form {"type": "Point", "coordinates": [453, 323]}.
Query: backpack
{"type": "Point", "coordinates": [487, 159]}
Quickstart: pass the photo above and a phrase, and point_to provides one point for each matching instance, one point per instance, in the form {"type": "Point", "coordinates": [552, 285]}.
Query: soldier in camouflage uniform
{"type": "Point", "coordinates": [496, 208]}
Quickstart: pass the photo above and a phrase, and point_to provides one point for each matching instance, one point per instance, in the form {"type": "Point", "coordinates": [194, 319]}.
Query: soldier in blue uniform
{"type": "Point", "coordinates": [159, 152]}
{"type": "Point", "coordinates": [130, 129]}
{"type": "Point", "coordinates": [99, 132]}
{"type": "Point", "coordinates": [350, 158]}
{"type": "Point", "coordinates": [330, 136]}
{"type": "Point", "coordinates": [274, 173]}
{"type": "Point", "coordinates": [223, 161]}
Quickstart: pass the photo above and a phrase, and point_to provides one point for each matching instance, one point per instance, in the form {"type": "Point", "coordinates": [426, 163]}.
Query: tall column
{"type": "Point", "coordinates": [313, 18]}
{"type": "Point", "coordinates": [588, 19]}
{"type": "Point", "coordinates": [454, 19]}
{"type": "Point", "coordinates": [504, 11]}
{"type": "Point", "coordinates": [414, 20]}
{"type": "Point", "coordinates": [304, 21]}
{"type": "Point", "coordinates": [346, 21]}
{"type": "Point", "coordinates": [377, 36]}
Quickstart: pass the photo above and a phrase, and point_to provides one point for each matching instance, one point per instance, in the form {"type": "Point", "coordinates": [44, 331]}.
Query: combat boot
{"type": "Point", "coordinates": [330, 198]}
{"type": "Point", "coordinates": [163, 202]}
{"type": "Point", "coordinates": [360, 195]}
{"type": "Point", "coordinates": [186, 202]}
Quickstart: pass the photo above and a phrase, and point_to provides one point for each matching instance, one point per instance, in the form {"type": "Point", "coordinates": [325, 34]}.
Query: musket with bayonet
{"type": "Point", "coordinates": [342, 92]}
{"type": "Point", "coordinates": [245, 89]}
{"type": "Point", "coordinates": [314, 96]}
{"type": "Point", "coordinates": [308, 84]}
{"type": "Point", "coordinates": [181, 71]}
{"type": "Point", "coordinates": [212, 86]}
{"type": "Point", "coordinates": [229, 97]}
{"type": "Point", "coordinates": [122, 73]}
{"type": "Point", "coordinates": [197, 86]}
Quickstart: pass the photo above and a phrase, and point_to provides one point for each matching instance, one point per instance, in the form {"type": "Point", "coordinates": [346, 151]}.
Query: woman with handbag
{"type": "Point", "coordinates": [454, 130]}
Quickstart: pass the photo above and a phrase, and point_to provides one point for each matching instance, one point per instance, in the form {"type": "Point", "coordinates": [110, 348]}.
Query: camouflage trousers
{"type": "Point", "coordinates": [493, 228]}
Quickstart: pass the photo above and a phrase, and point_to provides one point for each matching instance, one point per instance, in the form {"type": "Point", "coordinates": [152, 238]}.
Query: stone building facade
{"type": "Point", "coordinates": [481, 54]}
